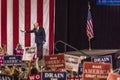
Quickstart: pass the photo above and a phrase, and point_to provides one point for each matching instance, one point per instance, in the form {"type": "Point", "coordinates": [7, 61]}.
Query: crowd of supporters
{"type": "Point", "coordinates": [27, 68]}
{"type": "Point", "coordinates": [18, 72]}
{"type": "Point", "coordinates": [23, 71]}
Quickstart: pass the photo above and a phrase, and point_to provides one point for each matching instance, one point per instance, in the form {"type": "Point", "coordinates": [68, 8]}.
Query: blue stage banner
{"type": "Point", "coordinates": [54, 76]}
{"type": "Point", "coordinates": [106, 59]}
{"type": "Point", "coordinates": [108, 2]}
{"type": "Point", "coordinates": [6, 77]}
{"type": "Point", "coordinates": [12, 60]}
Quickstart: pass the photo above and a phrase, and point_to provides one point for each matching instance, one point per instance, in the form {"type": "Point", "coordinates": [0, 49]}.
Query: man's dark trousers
{"type": "Point", "coordinates": [40, 50]}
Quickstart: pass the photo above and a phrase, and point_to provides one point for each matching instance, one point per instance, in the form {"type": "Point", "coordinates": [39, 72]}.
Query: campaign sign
{"type": "Point", "coordinates": [113, 76]}
{"type": "Point", "coordinates": [72, 62]}
{"type": "Point", "coordinates": [74, 78]}
{"type": "Point", "coordinates": [95, 71]}
{"type": "Point", "coordinates": [55, 61]}
{"type": "Point", "coordinates": [54, 76]}
{"type": "Point", "coordinates": [35, 77]}
{"type": "Point", "coordinates": [19, 51]}
{"type": "Point", "coordinates": [29, 53]}
{"type": "Point", "coordinates": [12, 60]}
{"type": "Point", "coordinates": [6, 77]}
{"type": "Point", "coordinates": [106, 59]}
{"type": "Point", "coordinates": [1, 60]}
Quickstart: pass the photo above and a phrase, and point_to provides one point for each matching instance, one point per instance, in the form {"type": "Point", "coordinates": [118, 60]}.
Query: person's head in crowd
{"type": "Point", "coordinates": [18, 50]}
{"type": "Point", "coordinates": [1, 51]}
{"type": "Point", "coordinates": [4, 48]}
{"type": "Point", "coordinates": [16, 74]}
{"type": "Point", "coordinates": [27, 50]}
{"type": "Point", "coordinates": [34, 70]}
{"type": "Point", "coordinates": [7, 70]}
{"type": "Point", "coordinates": [19, 46]}
{"type": "Point", "coordinates": [74, 73]}
{"type": "Point", "coordinates": [23, 69]}
{"type": "Point", "coordinates": [46, 68]}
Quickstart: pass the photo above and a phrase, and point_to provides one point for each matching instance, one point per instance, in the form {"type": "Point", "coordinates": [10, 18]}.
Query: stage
{"type": "Point", "coordinates": [93, 52]}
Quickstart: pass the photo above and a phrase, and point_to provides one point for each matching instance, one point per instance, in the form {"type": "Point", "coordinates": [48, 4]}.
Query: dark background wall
{"type": "Point", "coordinates": [70, 24]}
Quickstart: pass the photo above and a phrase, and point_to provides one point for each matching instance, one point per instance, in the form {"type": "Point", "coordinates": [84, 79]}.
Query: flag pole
{"type": "Point", "coordinates": [89, 40]}
{"type": "Point", "coordinates": [89, 5]}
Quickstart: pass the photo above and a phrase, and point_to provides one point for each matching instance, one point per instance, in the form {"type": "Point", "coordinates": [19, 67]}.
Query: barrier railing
{"type": "Point", "coordinates": [65, 48]}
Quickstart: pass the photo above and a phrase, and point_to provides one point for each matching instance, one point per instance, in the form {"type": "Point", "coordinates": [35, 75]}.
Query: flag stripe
{"type": "Point", "coordinates": [46, 22]}
{"type": "Point", "coordinates": [51, 34]}
{"type": "Point", "coordinates": [15, 23]}
{"type": "Point", "coordinates": [33, 19]}
{"type": "Point", "coordinates": [40, 12]}
{"type": "Point", "coordinates": [21, 22]}
{"type": "Point", "coordinates": [16, 15]}
{"type": "Point", "coordinates": [90, 26]}
{"type": "Point", "coordinates": [27, 21]}
{"type": "Point", "coordinates": [10, 26]}
{"type": "Point", "coordinates": [3, 22]}
{"type": "Point", "coordinates": [0, 22]}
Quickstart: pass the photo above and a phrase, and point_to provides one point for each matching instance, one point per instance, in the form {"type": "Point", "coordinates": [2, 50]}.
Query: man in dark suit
{"type": "Point", "coordinates": [39, 38]}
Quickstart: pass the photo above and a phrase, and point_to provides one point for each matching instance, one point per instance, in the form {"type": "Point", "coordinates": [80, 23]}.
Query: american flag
{"type": "Point", "coordinates": [89, 28]}
{"type": "Point", "coordinates": [16, 15]}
